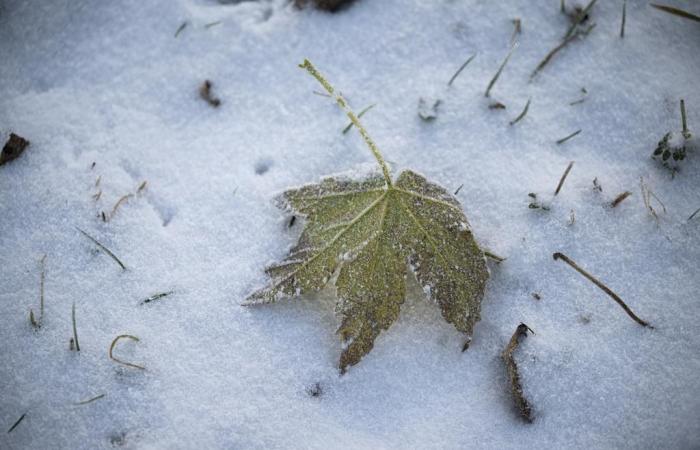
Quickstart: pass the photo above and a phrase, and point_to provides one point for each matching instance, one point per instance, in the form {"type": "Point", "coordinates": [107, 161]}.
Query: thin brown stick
{"type": "Point", "coordinates": [37, 323]}
{"type": "Point", "coordinates": [461, 68]}
{"type": "Point", "coordinates": [90, 400]}
{"type": "Point", "coordinates": [103, 248]}
{"type": "Point", "coordinates": [111, 348]}
{"type": "Point", "coordinates": [684, 121]}
{"type": "Point", "coordinates": [676, 11]}
{"type": "Point", "coordinates": [603, 287]}
{"type": "Point", "coordinates": [579, 18]}
{"type": "Point", "coordinates": [620, 198]}
{"type": "Point", "coordinates": [624, 18]}
{"type": "Point", "coordinates": [75, 330]}
{"type": "Point", "coordinates": [522, 114]}
{"type": "Point", "coordinates": [516, 386]}
{"type": "Point", "coordinates": [563, 177]}
{"type": "Point", "coordinates": [180, 28]}
{"type": "Point", "coordinates": [500, 69]}
{"type": "Point", "coordinates": [495, 257]}
{"type": "Point", "coordinates": [693, 215]}
{"type": "Point", "coordinates": [118, 204]}
{"type": "Point", "coordinates": [21, 418]}
{"type": "Point", "coordinates": [564, 139]}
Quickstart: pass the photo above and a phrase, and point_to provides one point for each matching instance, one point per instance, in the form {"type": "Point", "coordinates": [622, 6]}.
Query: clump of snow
{"type": "Point", "coordinates": [109, 83]}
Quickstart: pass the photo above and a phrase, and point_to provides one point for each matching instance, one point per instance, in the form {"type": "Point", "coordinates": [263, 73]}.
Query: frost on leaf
{"type": "Point", "coordinates": [369, 233]}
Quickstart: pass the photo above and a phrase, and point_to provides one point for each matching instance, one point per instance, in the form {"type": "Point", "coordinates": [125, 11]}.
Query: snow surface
{"type": "Point", "coordinates": [107, 82]}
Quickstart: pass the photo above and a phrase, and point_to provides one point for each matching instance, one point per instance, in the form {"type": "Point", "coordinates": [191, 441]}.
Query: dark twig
{"type": "Point", "coordinates": [180, 28]}
{"type": "Point", "coordinates": [111, 348]}
{"type": "Point", "coordinates": [211, 24]}
{"type": "Point", "coordinates": [620, 198]}
{"type": "Point", "coordinates": [603, 287]}
{"type": "Point", "coordinates": [563, 177]}
{"type": "Point", "coordinates": [516, 386]}
{"type": "Point", "coordinates": [156, 297]}
{"type": "Point", "coordinates": [522, 114]}
{"type": "Point", "coordinates": [461, 68]}
{"type": "Point", "coordinates": [500, 69]}
{"type": "Point", "coordinates": [579, 18]}
{"type": "Point", "coordinates": [458, 189]}
{"type": "Point", "coordinates": [676, 11]}
{"type": "Point", "coordinates": [37, 323]}
{"type": "Point", "coordinates": [90, 400]}
{"type": "Point", "coordinates": [21, 418]}
{"type": "Point", "coordinates": [624, 18]}
{"type": "Point", "coordinates": [495, 257]}
{"type": "Point", "coordinates": [103, 248]}
{"type": "Point", "coordinates": [564, 139]}
{"type": "Point", "coordinates": [693, 215]}
{"type": "Point", "coordinates": [75, 330]}
{"type": "Point", "coordinates": [684, 121]}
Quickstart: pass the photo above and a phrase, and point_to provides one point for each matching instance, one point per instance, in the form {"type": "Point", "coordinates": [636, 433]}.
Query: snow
{"type": "Point", "coordinates": [109, 83]}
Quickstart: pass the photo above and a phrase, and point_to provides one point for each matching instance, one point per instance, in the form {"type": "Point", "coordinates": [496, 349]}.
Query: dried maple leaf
{"type": "Point", "coordinates": [368, 233]}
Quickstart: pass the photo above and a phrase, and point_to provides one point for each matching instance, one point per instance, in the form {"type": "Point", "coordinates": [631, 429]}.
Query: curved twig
{"type": "Point", "coordinates": [111, 348]}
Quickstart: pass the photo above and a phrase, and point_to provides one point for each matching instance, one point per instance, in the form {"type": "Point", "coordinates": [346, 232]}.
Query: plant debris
{"type": "Point", "coordinates": [572, 218]}
{"type": "Point", "coordinates": [90, 400]}
{"type": "Point", "coordinates": [13, 148]}
{"type": "Point", "coordinates": [624, 19]}
{"type": "Point", "coordinates": [37, 323]}
{"type": "Point", "coordinates": [495, 257]}
{"type": "Point", "coordinates": [497, 105]}
{"type": "Point", "coordinates": [693, 215]}
{"type": "Point", "coordinates": [325, 5]}
{"type": "Point", "coordinates": [603, 287]}
{"type": "Point", "coordinates": [461, 68]}
{"type": "Point", "coordinates": [500, 69]}
{"type": "Point", "coordinates": [155, 297]}
{"type": "Point", "coordinates": [75, 330]}
{"type": "Point", "coordinates": [563, 178]}
{"type": "Point", "coordinates": [516, 386]}
{"type": "Point", "coordinates": [360, 114]}
{"type": "Point", "coordinates": [647, 196]}
{"type": "Point", "coordinates": [522, 114]}
{"type": "Point", "coordinates": [103, 248]}
{"type": "Point", "coordinates": [212, 24]}
{"type": "Point", "coordinates": [427, 108]}
{"type": "Point", "coordinates": [355, 226]}
{"type": "Point", "coordinates": [536, 296]}
{"type": "Point", "coordinates": [315, 390]}
{"type": "Point", "coordinates": [180, 28]}
{"type": "Point", "coordinates": [458, 189]}
{"type": "Point", "coordinates": [596, 185]}
{"type": "Point", "coordinates": [674, 147]}
{"type": "Point", "coordinates": [111, 349]}
{"type": "Point", "coordinates": [116, 206]}
{"type": "Point", "coordinates": [564, 139]}
{"type": "Point", "coordinates": [517, 29]}
{"type": "Point", "coordinates": [536, 204]}
{"type": "Point", "coordinates": [620, 198]}
{"type": "Point", "coordinates": [676, 11]}
{"type": "Point", "coordinates": [12, 428]}
{"type": "Point", "coordinates": [206, 95]}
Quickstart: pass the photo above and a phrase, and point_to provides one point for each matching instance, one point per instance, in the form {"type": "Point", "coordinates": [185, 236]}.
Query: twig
{"type": "Point", "coordinates": [548, 57]}
{"type": "Point", "coordinates": [517, 28]}
{"type": "Point", "coordinates": [576, 102]}
{"type": "Point", "coordinates": [211, 24]}
{"type": "Point", "coordinates": [563, 177]}
{"type": "Point", "coordinates": [495, 257]}
{"type": "Point", "coordinates": [103, 248]}
{"type": "Point", "coordinates": [693, 215]}
{"type": "Point", "coordinates": [360, 114]}
{"type": "Point", "coordinates": [75, 330]}
{"type": "Point", "coordinates": [500, 69]}
{"type": "Point", "coordinates": [461, 68]}
{"type": "Point", "coordinates": [579, 18]}
{"type": "Point", "coordinates": [458, 189]}
{"type": "Point", "coordinates": [116, 206]}
{"type": "Point", "coordinates": [676, 11]}
{"type": "Point", "coordinates": [564, 139]}
{"type": "Point", "coordinates": [111, 348]}
{"type": "Point", "coordinates": [206, 95]}
{"type": "Point", "coordinates": [522, 114]}
{"type": "Point", "coordinates": [37, 323]}
{"type": "Point", "coordinates": [624, 17]}
{"type": "Point", "coordinates": [21, 418]}
{"type": "Point", "coordinates": [180, 28]}
{"type": "Point", "coordinates": [516, 386]}
{"type": "Point", "coordinates": [156, 297]}
{"type": "Point", "coordinates": [620, 198]}
{"type": "Point", "coordinates": [603, 287]}
{"type": "Point", "coordinates": [142, 186]}
{"type": "Point", "coordinates": [684, 121]}
{"type": "Point", "coordinates": [90, 400]}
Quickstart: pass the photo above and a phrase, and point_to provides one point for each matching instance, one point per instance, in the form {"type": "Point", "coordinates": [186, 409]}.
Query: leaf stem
{"type": "Point", "coordinates": [351, 115]}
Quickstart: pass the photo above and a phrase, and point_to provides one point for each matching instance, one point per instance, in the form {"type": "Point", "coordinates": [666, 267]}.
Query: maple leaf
{"type": "Point", "coordinates": [364, 235]}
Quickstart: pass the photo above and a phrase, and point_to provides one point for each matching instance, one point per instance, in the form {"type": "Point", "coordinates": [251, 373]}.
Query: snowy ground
{"type": "Point", "coordinates": [107, 82]}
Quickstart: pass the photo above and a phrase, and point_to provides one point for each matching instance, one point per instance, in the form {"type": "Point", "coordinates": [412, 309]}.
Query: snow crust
{"type": "Point", "coordinates": [107, 82]}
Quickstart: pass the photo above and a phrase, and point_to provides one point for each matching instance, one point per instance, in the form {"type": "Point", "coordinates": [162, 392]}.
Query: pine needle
{"type": "Point", "coordinates": [500, 69]}
{"type": "Point", "coordinates": [90, 400]}
{"type": "Point", "coordinates": [461, 68]}
{"type": "Point", "coordinates": [522, 114]}
{"type": "Point", "coordinates": [103, 248]}
{"type": "Point", "coordinates": [620, 198]}
{"type": "Point", "coordinates": [563, 177]}
{"type": "Point", "coordinates": [564, 139]}
{"type": "Point", "coordinates": [180, 28]}
{"type": "Point", "coordinates": [111, 349]}
{"type": "Point", "coordinates": [21, 418]}
{"type": "Point", "coordinates": [693, 215]}
{"type": "Point", "coordinates": [624, 18]}
{"type": "Point", "coordinates": [603, 287]}
{"type": "Point", "coordinates": [676, 11]}
{"type": "Point", "coordinates": [75, 330]}
{"type": "Point", "coordinates": [360, 114]}
{"type": "Point", "coordinates": [118, 204]}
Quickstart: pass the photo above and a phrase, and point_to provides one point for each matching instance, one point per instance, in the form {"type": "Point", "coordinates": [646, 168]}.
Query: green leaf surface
{"type": "Point", "coordinates": [365, 236]}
